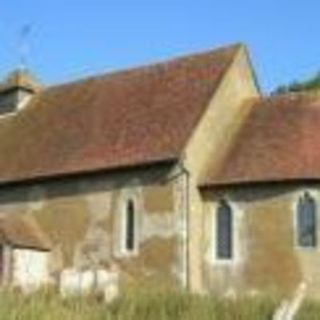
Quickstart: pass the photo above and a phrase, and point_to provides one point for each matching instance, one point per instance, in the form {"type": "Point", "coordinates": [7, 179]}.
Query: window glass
{"type": "Point", "coordinates": [130, 226]}
{"type": "Point", "coordinates": [306, 211]}
{"type": "Point", "coordinates": [224, 231]}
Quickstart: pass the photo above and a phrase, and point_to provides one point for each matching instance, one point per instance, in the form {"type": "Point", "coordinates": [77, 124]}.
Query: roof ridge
{"type": "Point", "coordinates": [140, 67]}
{"type": "Point", "coordinates": [293, 94]}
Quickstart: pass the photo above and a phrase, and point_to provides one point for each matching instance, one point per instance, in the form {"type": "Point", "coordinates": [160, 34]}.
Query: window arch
{"type": "Point", "coordinates": [129, 240]}
{"type": "Point", "coordinates": [307, 221]}
{"type": "Point", "coordinates": [224, 231]}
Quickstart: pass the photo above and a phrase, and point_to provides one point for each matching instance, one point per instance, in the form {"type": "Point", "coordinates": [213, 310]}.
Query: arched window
{"type": "Point", "coordinates": [307, 221]}
{"type": "Point", "coordinates": [130, 227]}
{"type": "Point", "coordinates": [224, 230]}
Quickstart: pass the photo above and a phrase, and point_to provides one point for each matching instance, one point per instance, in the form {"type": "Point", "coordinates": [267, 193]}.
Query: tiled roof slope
{"type": "Point", "coordinates": [280, 140]}
{"type": "Point", "coordinates": [121, 119]}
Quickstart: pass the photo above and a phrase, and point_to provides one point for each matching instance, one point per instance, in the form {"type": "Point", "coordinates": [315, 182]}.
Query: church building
{"type": "Point", "coordinates": [179, 174]}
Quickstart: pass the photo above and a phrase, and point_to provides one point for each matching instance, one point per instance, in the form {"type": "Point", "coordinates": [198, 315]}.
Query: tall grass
{"type": "Point", "coordinates": [310, 310]}
{"type": "Point", "coordinates": [134, 306]}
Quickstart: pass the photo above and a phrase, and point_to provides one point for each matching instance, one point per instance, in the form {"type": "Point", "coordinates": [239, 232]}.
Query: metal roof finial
{"type": "Point", "coordinates": [24, 46]}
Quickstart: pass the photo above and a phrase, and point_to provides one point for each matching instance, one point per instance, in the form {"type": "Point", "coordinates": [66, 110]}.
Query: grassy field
{"type": "Point", "coordinates": [133, 306]}
{"type": "Point", "coordinates": [142, 306]}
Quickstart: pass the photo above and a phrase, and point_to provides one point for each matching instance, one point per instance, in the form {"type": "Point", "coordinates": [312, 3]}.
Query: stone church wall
{"type": "Point", "coordinates": [82, 216]}
{"type": "Point", "coordinates": [267, 258]}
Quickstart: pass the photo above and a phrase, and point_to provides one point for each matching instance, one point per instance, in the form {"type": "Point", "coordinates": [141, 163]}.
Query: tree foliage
{"type": "Point", "coordinates": [297, 86]}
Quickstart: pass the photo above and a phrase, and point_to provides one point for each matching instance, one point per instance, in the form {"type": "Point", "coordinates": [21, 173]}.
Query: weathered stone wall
{"type": "Point", "coordinates": [82, 216]}
{"type": "Point", "coordinates": [267, 257]}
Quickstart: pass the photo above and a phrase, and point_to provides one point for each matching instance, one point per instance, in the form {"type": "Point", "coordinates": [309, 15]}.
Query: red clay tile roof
{"type": "Point", "coordinates": [279, 141]}
{"type": "Point", "coordinates": [122, 119]}
{"type": "Point", "coordinates": [22, 231]}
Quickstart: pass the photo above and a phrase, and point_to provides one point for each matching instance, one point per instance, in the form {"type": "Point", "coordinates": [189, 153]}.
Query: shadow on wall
{"type": "Point", "coordinates": [256, 192]}
{"type": "Point", "coordinates": [72, 185]}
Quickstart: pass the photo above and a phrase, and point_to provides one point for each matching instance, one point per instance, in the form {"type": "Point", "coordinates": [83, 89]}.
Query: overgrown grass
{"type": "Point", "coordinates": [310, 310]}
{"type": "Point", "coordinates": [134, 306]}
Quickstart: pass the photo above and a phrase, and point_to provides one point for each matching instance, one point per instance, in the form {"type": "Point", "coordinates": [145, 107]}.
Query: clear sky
{"type": "Point", "coordinates": [75, 38]}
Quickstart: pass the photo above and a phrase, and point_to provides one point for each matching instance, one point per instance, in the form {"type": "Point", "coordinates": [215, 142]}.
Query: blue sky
{"type": "Point", "coordinates": [75, 38]}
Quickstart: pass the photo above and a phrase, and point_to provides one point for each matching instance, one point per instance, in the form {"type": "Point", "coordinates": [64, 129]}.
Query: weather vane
{"type": "Point", "coordinates": [23, 46]}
